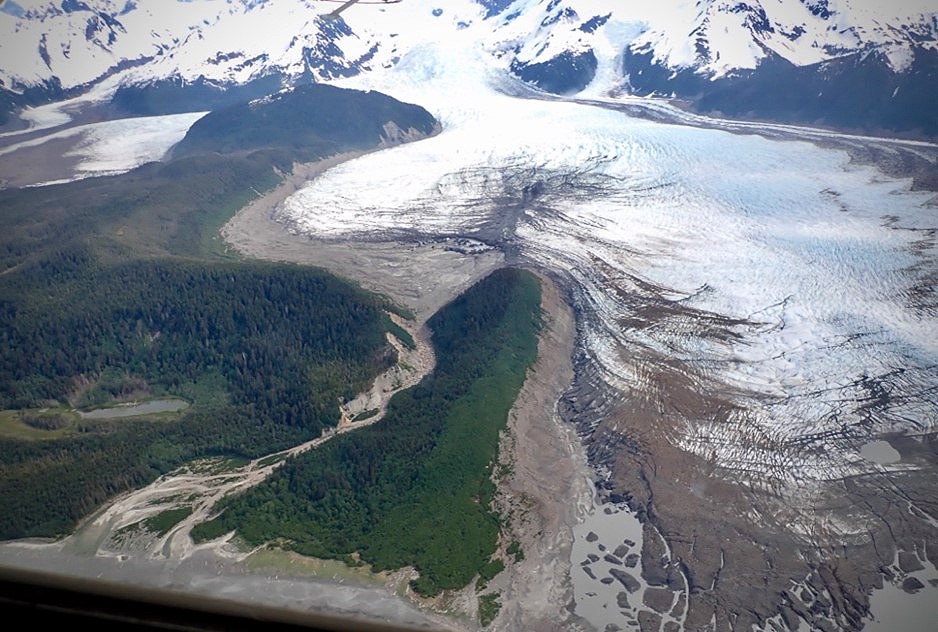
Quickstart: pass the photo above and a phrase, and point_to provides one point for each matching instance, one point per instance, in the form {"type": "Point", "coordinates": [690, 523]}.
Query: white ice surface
{"type": "Point", "coordinates": [45, 117]}
{"type": "Point", "coordinates": [121, 145]}
{"type": "Point", "coordinates": [117, 146]}
{"type": "Point", "coordinates": [815, 257]}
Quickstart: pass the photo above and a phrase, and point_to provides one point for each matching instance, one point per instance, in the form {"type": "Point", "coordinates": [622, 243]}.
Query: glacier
{"type": "Point", "coordinates": [104, 148]}
{"type": "Point", "coordinates": [778, 273]}
{"type": "Point", "coordinates": [747, 295]}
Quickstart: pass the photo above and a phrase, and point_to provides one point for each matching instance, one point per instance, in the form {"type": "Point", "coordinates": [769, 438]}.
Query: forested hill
{"type": "Point", "coordinates": [177, 207]}
{"type": "Point", "coordinates": [415, 488]}
{"type": "Point", "coordinates": [119, 289]}
{"type": "Point", "coordinates": [263, 353]}
{"type": "Point", "coordinates": [313, 120]}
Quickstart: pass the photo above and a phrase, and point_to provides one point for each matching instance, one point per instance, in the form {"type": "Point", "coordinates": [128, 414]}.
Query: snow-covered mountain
{"type": "Point", "coordinates": [58, 48]}
{"type": "Point", "coordinates": [853, 63]}
{"type": "Point", "coordinates": [753, 316]}
{"type": "Point", "coordinates": [850, 63]}
{"type": "Point", "coordinates": [719, 38]}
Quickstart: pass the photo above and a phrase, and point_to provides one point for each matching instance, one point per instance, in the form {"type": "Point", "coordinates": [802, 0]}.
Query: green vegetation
{"type": "Point", "coordinates": [158, 209]}
{"type": "Point", "coordinates": [270, 460]}
{"type": "Point", "coordinates": [165, 323]}
{"type": "Point", "coordinates": [56, 423]}
{"type": "Point", "coordinates": [45, 421]}
{"type": "Point", "coordinates": [161, 523]}
{"type": "Point", "coordinates": [415, 488]}
{"type": "Point", "coordinates": [111, 386]}
{"type": "Point", "coordinates": [287, 342]}
{"type": "Point", "coordinates": [366, 414]}
{"type": "Point", "coordinates": [205, 531]}
{"type": "Point", "coordinates": [41, 423]}
{"type": "Point", "coordinates": [117, 287]}
{"type": "Point", "coordinates": [489, 606]}
{"type": "Point", "coordinates": [514, 550]}
{"type": "Point", "coordinates": [217, 465]}
{"type": "Point", "coordinates": [177, 207]}
{"type": "Point", "coordinates": [401, 334]}
{"type": "Point", "coordinates": [491, 569]}
{"type": "Point", "coordinates": [128, 531]}
{"type": "Point", "coordinates": [285, 562]}
{"type": "Point", "coordinates": [488, 572]}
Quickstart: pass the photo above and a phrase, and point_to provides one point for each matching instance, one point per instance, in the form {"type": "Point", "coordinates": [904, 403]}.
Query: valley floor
{"type": "Point", "coordinates": [111, 545]}
{"type": "Point", "coordinates": [545, 489]}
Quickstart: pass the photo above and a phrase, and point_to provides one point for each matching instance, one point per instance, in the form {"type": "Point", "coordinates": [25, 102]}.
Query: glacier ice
{"type": "Point", "coordinates": [780, 273]}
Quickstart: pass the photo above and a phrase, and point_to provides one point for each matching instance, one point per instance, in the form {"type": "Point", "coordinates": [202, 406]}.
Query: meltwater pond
{"type": "Point", "coordinates": [881, 452]}
{"type": "Point", "coordinates": [165, 405]}
{"type": "Point", "coordinates": [608, 586]}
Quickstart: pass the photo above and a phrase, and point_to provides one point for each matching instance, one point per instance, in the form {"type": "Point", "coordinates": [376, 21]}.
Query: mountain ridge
{"type": "Point", "coordinates": [719, 56]}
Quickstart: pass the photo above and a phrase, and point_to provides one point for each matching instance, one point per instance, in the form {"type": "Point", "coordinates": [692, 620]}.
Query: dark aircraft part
{"type": "Point", "coordinates": [47, 600]}
{"type": "Point", "coordinates": [347, 3]}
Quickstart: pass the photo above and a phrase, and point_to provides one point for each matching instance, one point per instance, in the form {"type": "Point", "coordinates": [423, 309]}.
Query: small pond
{"type": "Point", "coordinates": [165, 405]}
{"type": "Point", "coordinates": [880, 451]}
